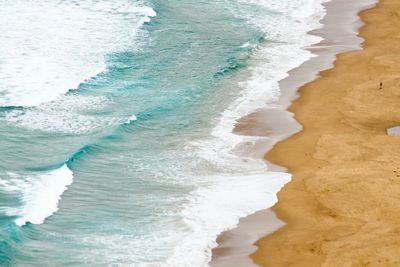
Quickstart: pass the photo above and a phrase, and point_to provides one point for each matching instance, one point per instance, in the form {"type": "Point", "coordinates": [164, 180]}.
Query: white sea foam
{"type": "Point", "coordinates": [39, 194]}
{"type": "Point", "coordinates": [217, 207]}
{"type": "Point", "coordinates": [132, 118]}
{"type": "Point", "coordinates": [69, 114]}
{"type": "Point", "coordinates": [244, 194]}
{"type": "Point", "coordinates": [283, 51]}
{"type": "Point", "coordinates": [53, 46]}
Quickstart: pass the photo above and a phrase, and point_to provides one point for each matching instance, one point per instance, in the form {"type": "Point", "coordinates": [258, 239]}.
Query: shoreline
{"type": "Point", "coordinates": [341, 207]}
{"type": "Point", "coordinates": [339, 33]}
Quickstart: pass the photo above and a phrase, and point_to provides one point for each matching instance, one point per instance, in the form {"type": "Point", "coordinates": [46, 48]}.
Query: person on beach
{"type": "Point", "coordinates": [381, 85]}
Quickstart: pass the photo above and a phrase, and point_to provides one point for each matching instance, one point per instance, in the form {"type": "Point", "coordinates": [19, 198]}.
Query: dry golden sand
{"type": "Point", "coordinates": [342, 207]}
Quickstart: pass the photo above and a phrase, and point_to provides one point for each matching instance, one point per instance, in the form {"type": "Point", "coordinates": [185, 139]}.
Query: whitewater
{"type": "Point", "coordinates": [116, 124]}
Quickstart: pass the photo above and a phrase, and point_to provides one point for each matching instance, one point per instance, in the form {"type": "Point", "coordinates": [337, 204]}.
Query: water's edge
{"type": "Point", "coordinates": [340, 34]}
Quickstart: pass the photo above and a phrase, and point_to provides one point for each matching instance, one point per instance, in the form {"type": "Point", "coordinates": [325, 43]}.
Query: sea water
{"type": "Point", "coordinates": [116, 119]}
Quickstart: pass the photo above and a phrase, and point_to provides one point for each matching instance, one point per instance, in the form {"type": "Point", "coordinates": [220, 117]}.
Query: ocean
{"type": "Point", "coordinates": [116, 124]}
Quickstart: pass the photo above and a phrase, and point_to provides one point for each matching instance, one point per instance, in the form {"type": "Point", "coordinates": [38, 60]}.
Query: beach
{"type": "Point", "coordinates": [134, 133]}
{"type": "Point", "coordinates": [339, 31]}
{"type": "Point", "coordinates": [341, 207]}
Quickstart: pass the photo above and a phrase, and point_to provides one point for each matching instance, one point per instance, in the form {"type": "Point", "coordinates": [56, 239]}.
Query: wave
{"type": "Point", "coordinates": [217, 207]}
{"type": "Point", "coordinates": [68, 114]}
{"type": "Point", "coordinates": [131, 119]}
{"type": "Point", "coordinates": [39, 194]}
{"type": "Point", "coordinates": [283, 49]}
{"type": "Point", "coordinates": [53, 46]}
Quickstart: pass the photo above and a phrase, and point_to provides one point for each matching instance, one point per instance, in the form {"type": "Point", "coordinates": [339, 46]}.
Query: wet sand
{"type": "Point", "coordinates": [340, 34]}
{"type": "Point", "coordinates": [342, 207]}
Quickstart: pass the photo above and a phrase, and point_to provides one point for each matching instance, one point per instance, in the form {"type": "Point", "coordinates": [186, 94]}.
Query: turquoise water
{"type": "Point", "coordinates": [116, 119]}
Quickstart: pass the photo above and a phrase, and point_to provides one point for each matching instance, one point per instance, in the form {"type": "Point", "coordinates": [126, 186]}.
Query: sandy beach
{"type": "Point", "coordinates": [342, 206]}
{"type": "Point", "coordinates": [135, 133]}
{"type": "Point", "coordinates": [339, 32]}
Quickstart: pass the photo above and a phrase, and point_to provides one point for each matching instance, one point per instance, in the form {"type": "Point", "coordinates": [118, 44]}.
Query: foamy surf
{"type": "Point", "coordinates": [52, 47]}
{"type": "Point", "coordinates": [217, 207]}
{"type": "Point", "coordinates": [283, 51]}
{"type": "Point", "coordinates": [131, 119]}
{"type": "Point", "coordinates": [39, 194]}
{"type": "Point", "coordinates": [70, 114]}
